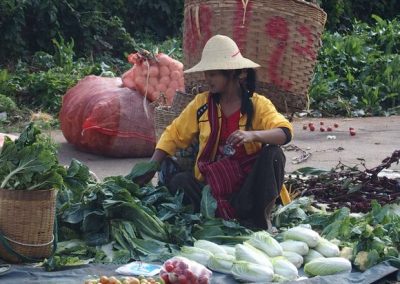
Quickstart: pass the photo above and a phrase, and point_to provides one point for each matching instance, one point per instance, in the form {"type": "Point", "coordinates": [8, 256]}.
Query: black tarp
{"type": "Point", "coordinates": [37, 275]}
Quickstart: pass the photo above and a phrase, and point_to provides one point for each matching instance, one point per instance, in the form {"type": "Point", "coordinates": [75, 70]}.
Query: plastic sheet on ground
{"type": "Point", "coordinates": [37, 275]}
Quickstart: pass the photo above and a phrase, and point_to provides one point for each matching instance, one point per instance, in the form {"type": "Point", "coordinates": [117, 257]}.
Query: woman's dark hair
{"type": "Point", "coordinates": [248, 89]}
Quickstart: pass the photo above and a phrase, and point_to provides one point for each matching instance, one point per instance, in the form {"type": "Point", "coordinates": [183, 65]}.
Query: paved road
{"type": "Point", "coordinates": [375, 139]}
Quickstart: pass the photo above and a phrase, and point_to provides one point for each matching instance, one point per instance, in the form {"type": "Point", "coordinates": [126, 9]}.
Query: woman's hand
{"type": "Point", "coordinates": [239, 137]}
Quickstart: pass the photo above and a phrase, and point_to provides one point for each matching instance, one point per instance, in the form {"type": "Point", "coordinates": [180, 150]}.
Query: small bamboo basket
{"type": "Point", "coordinates": [282, 36]}
{"type": "Point", "coordinates": [164, 115]}
{"type": "Point", "coordinates": [27, 223]}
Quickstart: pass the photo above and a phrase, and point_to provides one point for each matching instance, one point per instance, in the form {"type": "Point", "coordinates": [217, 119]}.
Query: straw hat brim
{"type": "Point", "coordinates": [240, 63]}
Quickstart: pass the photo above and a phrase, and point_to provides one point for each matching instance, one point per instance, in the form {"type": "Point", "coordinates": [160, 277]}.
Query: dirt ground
{"type": "Point", "coordinates": [376, 138]}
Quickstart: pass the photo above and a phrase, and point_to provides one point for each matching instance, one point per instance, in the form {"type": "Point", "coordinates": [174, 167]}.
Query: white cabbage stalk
{"type": "Point", "coordinates": [327, 249]}
{"type": "Point", "coordinates": [327, 266]}
{"type": "Point", "coordinates": [199, 255]}
{"type": "Point", "coordinates": [252, 272]}
{"type": "Point", "coordinates": [221, 263]}
{"type": "Point", "coordinates": [312, 254]}
{"type": "Point", "coordinates": [284, 268]}
{"type": "Point", "coordinates": [265, 242]}
{"type": "Point", "coordinates": [229, 249]}
{"type": "Point", "coordinates": [295, 258]}
{"type": "Point", "coordinates": [295, 246]}
{"type": "Point", "coordinates": [249, 253]}
{"type": "Point", "coordinates": [298, 233]}
{"type": "Point", "coordinates": [210, 246]}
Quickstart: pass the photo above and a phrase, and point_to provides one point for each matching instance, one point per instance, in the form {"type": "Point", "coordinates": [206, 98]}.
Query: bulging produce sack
{"type": "Point", "coordinates": [101, 116]}
{"type": "Point", "coordinates": [154, 75]}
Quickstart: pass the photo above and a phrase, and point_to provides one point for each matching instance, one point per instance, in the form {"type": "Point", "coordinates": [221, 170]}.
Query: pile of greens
{"type": "Point", "coordinates": [365, 238]}
{"type": "Point", "coordinates": [371, 238]}
{"type": "Point", "coordinates": [116, 220]}
{"type": "Point", "coordinates": [30, 162]}
{"type": "Point", "coordinates": [113, 221]}
{"type": "Point", "coordinates": [345, 186]}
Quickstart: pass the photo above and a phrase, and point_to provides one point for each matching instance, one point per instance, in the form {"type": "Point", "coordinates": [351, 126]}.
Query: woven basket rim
{"type": "Point", "coordinates": [301, 2]}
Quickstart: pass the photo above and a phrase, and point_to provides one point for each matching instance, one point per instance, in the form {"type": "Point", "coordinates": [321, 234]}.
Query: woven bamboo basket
{"type": "Point", "coordinates": [282, 36]}
{"type": "Point", "coordinates": [27, 223]}
{"type": "Point", "coordinates": [164, 115]}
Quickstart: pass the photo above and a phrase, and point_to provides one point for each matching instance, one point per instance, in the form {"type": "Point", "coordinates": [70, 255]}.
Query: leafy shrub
{"type": "Point", "coordinates": [342, 13]}
{"type": "Point", "coordinates": [7, 104]}
{"type": "Point", "coordinates": [357, 73]}
{"type": "Point", "coordinates": [96, 27]}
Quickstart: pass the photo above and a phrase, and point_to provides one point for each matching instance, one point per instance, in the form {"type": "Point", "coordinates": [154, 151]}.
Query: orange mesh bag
{"type": "Point", "coordinates": [98, 115]}
{"type": "Point", "coordinates": [153, 75]}
{"type": "Point", "coordinates": [282, 36]}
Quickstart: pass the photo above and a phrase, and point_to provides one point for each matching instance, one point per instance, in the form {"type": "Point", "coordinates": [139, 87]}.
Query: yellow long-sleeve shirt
{"type": "Point", "coordinates": [193, 122]}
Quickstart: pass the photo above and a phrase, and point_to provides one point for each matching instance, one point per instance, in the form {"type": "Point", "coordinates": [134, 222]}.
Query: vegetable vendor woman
{"type": "Point", "coordinates": [239, 133]}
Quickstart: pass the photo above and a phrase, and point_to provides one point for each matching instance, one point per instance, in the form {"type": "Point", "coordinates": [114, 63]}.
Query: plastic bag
{"type": "Point", "coordinates": [98, 115]}
{"type": "Point", "coordinates": [153, 75]}
{"type": "Point", "coordinates": [180, 270]}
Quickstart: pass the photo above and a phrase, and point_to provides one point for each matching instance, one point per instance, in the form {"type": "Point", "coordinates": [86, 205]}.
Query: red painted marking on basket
{"type": "Point", "coordinates": [307, 49]}
{"type": "Point", "coordinates": [277, 28]}
{"type": "Point", "coordinates": [240, 29]}
{"type": "Point", "coordinates": [205, 23]}
{"type": "Point", "coordinates": [193, 42]}
{"type": "Point", "coordinates": [191, 36]}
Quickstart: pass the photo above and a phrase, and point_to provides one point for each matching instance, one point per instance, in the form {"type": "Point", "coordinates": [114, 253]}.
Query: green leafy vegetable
{"type": "Point", "coordinates": [30, 162]}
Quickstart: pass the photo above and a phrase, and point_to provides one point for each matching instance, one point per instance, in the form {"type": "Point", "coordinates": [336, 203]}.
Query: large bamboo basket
{"type": "Point", "coordinates": [282, 36]}
{"type": "Point", "coordinates": [27, 223]}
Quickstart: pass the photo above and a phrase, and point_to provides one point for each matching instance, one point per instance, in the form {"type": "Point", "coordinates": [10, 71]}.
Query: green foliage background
{"type": "Point", "coordinates": [27, 26]}
{"type": "Point", "coordinates": [46, 46]}
{"type": "Point", "coordinates": [96, 27]}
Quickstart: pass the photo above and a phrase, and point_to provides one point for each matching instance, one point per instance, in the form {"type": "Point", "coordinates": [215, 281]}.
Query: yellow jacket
{"type": "Point", "coordinates": [193, 122]}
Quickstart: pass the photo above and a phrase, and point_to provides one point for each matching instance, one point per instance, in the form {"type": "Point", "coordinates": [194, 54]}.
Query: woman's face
{"type": "Point", "coordinates": [216, 81]}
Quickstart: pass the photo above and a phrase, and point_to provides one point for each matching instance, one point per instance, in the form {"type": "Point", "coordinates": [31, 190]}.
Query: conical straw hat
{"type": "Point", "coordinates": [221, 53]}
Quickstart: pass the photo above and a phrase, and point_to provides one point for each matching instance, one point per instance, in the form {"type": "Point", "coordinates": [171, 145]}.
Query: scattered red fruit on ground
{"type": "Point", "coordinates": [312, 128]}
{"type": "Point", "coordinates": [336, 125]}
{"type": "Point", "coordinates": [310, 124]}
{"type": "Point", "coordinates": [322, 129]}
{"type": "Point", "coordinates": [304, 127]}
{"type": "Point", "coordinates": [321, 123]}
{"type": "Point", "coordinates": [329, 129]}
{"type": "Point", "coordinates": [352, 132]}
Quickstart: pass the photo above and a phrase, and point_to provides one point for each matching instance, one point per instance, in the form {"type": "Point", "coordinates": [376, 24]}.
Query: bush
{"type": "Point", "coordinates": [357, 72]}
{"type": "Point", "coordinates": [7, 104]}
{"type": "Point", "coordinates": [96, 27]}
{"type": "Point", "coordinates": [342, 13]}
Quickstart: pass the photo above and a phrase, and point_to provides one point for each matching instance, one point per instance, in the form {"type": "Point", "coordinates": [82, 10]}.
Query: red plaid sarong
{"type": "Point", "coordinates": [226, 175]}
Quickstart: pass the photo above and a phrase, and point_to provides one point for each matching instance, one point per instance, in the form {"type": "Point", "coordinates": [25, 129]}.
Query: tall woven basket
{"type": "Point", "coordinates": [27, 223]}
{"type": "Point", "coordinates": [282, 36]}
